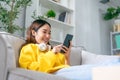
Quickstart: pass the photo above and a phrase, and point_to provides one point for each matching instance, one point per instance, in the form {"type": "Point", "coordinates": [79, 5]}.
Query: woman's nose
{"type": "Point", "coordinates": [48, 35]}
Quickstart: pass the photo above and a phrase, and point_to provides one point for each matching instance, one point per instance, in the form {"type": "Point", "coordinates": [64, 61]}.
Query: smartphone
{"type": "Point", "coordinates": [67, 40]}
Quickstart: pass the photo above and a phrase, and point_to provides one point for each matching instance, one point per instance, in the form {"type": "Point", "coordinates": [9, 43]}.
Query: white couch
{"type": "Point", "coordinates": [9, 53]}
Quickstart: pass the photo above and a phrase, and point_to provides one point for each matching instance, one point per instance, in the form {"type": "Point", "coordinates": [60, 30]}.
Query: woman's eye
{"type": "Point", "coordinates": [44, 31]}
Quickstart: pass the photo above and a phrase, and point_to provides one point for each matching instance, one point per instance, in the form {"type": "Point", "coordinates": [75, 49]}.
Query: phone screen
{"type": "Point", "coordinates": [67, 40]}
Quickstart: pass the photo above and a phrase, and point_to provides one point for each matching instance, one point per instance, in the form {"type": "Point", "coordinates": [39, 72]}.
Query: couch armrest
{"type": "Point", "coordinates": [23, 74]}
{"type": "Point", "coordinates": [75, 56]}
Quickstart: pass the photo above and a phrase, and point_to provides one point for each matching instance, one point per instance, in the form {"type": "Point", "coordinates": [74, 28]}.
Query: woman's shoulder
{"type": "Point", "coordinates": [29, 48]}
{"type": "Point", "coordinates": [30, 45]}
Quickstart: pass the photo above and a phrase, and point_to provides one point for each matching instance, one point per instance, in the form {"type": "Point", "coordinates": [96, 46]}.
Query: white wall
{"type": "Point", "coordinates": [92, 30]}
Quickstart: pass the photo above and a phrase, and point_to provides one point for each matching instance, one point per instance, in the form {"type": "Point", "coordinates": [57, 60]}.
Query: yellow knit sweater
{"type": "Point", "coordinates": [45, 61]}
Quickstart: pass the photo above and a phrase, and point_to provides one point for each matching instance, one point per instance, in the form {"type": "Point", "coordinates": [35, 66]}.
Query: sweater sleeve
{"type": "Point", "coordinates": [28, 57]}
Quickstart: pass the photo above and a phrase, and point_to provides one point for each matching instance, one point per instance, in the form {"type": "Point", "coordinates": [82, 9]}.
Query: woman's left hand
{"type": "Point", "coordinates": [67, 52]}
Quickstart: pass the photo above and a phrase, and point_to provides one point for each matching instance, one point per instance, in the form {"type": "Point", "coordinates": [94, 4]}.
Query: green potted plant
{"type": "Point", "coordinates": [51, 13]}
{"type": "Point", "coordinates": [112, 13]}
{"type": "Point", "coordinates": [9, 11]}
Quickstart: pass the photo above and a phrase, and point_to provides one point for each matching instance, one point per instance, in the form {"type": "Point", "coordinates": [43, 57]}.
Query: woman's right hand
{"type": "Point", "coordinates": [56, 49]}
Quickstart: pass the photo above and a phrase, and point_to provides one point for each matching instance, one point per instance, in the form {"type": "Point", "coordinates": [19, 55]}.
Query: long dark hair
{"type": "Point", "coordinates": [34, 26]}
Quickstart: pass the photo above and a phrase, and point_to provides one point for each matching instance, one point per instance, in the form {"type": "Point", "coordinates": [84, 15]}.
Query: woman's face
{"type": "Point", "coordinates": [43, 34]}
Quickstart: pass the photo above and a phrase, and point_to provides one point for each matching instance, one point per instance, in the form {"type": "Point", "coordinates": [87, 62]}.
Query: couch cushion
{"type": "Point", "coordinates": [16, 43]}
{"type": "Point", "coordinates": [12, 45]}
{"type": "Point", "coordinates": [91, 58]}
{"type": "Point", "coordinates": [23, 74]}
{"type": "Point", "coordinates": [9, 51]}
{"type": "Point", "coordinates": [75, 56]}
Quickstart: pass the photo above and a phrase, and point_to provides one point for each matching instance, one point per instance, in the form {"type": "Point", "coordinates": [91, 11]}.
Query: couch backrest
{"type": "Point", "coordinates": [75, 56]}
{"type": "Point", "coordinates": [9, 52]}
{"type": "Point", "coordinates": [92, 58]}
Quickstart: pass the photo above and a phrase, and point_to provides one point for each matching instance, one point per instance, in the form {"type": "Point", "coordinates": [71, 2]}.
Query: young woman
{"type": "Point", "coordinates": [36, 55]}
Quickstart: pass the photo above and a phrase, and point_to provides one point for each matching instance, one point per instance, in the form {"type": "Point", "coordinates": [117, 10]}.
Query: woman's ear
{"type": "Point", "coordinates": [33, 33]}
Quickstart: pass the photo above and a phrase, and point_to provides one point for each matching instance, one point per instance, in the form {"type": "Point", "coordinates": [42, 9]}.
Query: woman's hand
{"type": "Point", "coordinates": [56, 49]}
{"type": "Point", "coordinates": [67, 53]}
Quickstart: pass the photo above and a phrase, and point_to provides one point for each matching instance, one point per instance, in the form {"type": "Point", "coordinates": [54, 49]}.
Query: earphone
{"type": "Point", "coordinates": [43, 46]}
